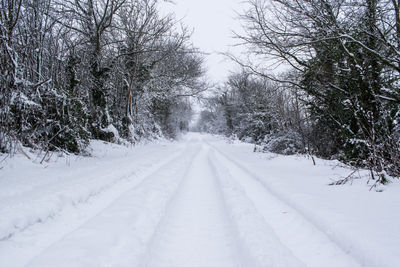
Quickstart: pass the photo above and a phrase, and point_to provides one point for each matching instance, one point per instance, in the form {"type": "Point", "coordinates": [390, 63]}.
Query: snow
{"type": "Point", "coordinates": [361, 222]}
{"type": "Point", "coordinates": [196, 230]}
{"type": "Point", "coordinates": [24, 99]}
{"type": "Point", "coordinates": [200, 201]}
{"type": "Point", "coordinates": [111, 129]}
{"type": "Point", "coordinates": [55, 199]}
{"type": "Point", "coordinates": [259, 241]}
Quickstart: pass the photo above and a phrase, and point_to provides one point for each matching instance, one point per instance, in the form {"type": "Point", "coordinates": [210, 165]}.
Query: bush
{"type": "Point", "coordinates": [284, 143]}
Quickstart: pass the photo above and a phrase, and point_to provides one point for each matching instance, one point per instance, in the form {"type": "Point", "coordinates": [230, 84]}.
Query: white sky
{"type": "Point", "coordinates": [212, 22]}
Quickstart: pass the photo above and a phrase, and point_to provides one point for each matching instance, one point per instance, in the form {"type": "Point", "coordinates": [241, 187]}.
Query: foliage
{"type": "Point", "coordinates": [75, 70]}
{"type": "Point", "coordinates": [346, 58]}
{"type": "Point", "coordinates": [256, 110]}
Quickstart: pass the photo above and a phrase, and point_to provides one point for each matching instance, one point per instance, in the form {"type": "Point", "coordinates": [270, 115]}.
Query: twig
{"type": "Point", "coordinates": [47, 152]}
{"type": "Point", "coordinates": [7, 155]}
{"type": "Point", "coordinates": [313, 160]}
{"type": "Point", "coordinates": [23, 152]}
{"type": "Point", "coordinates": [344, 180]}
{"type": "Point", "coordinates": [48, 142]}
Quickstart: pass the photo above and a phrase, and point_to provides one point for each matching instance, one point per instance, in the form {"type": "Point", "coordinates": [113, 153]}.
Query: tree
{"type": "Point", "coordinates": [75, 70]}
{"type": "Point", "coordinates": [9, 16]}
{"type": "Point", "coordinates": [256, 110]}
{"type": "Point", "coordinates": [346, 54]}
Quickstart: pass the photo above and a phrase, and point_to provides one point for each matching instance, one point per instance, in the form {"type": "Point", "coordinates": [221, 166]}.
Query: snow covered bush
{"type": "Point", "coordinates": [284, 143]}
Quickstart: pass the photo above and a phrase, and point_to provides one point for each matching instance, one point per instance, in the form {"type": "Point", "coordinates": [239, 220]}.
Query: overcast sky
{"type": "Point", "coordinates": [212, 22]}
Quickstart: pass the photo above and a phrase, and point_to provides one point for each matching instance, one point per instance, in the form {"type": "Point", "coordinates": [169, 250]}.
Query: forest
{"type": "Point", "coordinates": [319, 77]}
{"type": "Point", "coordinates": [113, 70]}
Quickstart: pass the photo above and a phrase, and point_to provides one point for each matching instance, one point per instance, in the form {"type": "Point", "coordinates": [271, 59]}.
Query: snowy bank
{"type": "Point", "coordinates": [363, 222]}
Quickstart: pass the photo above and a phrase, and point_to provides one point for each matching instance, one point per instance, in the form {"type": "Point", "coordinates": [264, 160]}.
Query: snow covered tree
{"type": "Point", "coordinates": [9, 16]}
{"type": "Point", "coordinates": [256, 110]}
{"type": "Point", "coordinates": [346, 55]}
{"type": "Point", "coordinates": [75, 70]}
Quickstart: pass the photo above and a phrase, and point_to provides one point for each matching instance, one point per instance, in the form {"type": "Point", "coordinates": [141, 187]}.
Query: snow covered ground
{"type": "Point", "coordinates": [198, 202]}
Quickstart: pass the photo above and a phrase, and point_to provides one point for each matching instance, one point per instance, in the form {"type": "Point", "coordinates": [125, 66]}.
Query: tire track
{"type": "Point", "coordinates": [305, 240]}
{"type": "Point", "coordinates": [56, 202]}
{"type": "Point", "coordinates": [125, 226]}
{"type": "Point", "coordinates": [196, 230]}
{"type": "Point", "coordinates": [259, 243]}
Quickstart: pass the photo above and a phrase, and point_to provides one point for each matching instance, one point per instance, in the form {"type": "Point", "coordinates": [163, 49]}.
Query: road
{"type": "Point", "coordinates": [197, 207]}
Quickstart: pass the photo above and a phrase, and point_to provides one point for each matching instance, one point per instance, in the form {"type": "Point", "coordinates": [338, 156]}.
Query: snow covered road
{"type": "Point", "coordinates": [196, 230]}
{"type": "Point", "coordinates": [184, 204]}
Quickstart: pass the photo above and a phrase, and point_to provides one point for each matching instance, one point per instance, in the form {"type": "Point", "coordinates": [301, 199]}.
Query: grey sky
{"type": "Point", "coordinates": [212, 22]}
